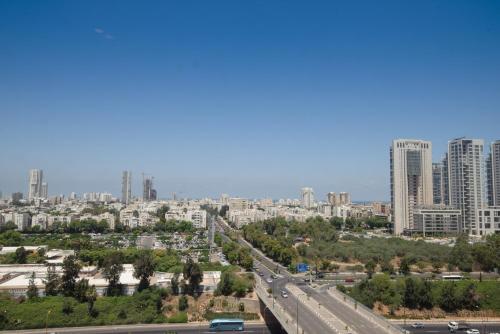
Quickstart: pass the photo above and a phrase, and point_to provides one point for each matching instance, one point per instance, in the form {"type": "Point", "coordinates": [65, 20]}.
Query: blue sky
{"type": "Point", "coordinates": [250, 98]}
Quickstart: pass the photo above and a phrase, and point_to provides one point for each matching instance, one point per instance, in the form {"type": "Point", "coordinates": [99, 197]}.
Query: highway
{"type": "Point", "coordinates": [438, 328]}
{"type": "Point", "coordinates": [147, 329]}
{"type": "Point", "coordinates": [347, 315]}
{"type": "Point", "coordinates": [307, 320]}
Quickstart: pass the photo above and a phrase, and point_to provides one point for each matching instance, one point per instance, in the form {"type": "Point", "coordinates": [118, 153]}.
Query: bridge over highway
{"type": "Point", "coordinates": [307, 309]}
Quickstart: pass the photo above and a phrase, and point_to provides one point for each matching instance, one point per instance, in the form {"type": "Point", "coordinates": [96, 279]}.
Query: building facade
{"type": "Point", "coordinates": [495, 172]}
{"type": "Point", "coordinates": [126, 187]}
{"type": "Point", "coordinates": [35, 184]}
{"type": "Point", "coordinates": [489, 220]}
{"type": "Point", "coordinates": [307, 197]}
{"type": "Point", "coordinates": [437, 183]}
{"type": "Point", "coordinates": [437, 220]}
{"type": "Point", "coordinates": [466, 180]}
{"type": "Point", "coordinates": [411, 180]}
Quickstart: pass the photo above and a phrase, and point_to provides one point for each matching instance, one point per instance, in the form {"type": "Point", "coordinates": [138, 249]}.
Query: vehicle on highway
{"type": "Point", "coordinates": [222, 325]}
{"type": "Point", "coordinates": [453, 325]}
{"type": "Point", "coordinates": [452, 277]}
{"type": "Point", "coordinates": [418, 325]}
{"type": "Point", "coordinates": [349, 280]}
{"type": "Point", "coordinates": [472, 331]}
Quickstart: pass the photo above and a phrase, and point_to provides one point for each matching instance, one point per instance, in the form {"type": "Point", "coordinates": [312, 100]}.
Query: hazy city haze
{"type": "Point", "coordinates": [255, 99]}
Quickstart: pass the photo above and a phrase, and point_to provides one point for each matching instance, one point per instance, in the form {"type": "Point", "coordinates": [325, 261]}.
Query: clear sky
{"type": "Point", "coordinates": [250, 98]}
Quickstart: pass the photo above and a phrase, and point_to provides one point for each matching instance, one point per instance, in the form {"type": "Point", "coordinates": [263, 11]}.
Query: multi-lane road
{"type": "Point", "coordinates": [442, 327]}
{"type": "Point", "coordinates": [146, 329]}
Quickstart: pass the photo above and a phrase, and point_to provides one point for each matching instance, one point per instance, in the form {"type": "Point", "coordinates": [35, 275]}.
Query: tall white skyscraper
{"type": "Point", "coordinates": [35, 184]}
{"type": "Point", "coordinates": [495, 172]}
{"type": "Point", "coordinates": [307, 197]}
{"type": "Point", "coordinates": [126, 187]}
{"type": "Point", "coordinates": [466, 180]}
{"type": "Point", "coordinates": [411, 180]}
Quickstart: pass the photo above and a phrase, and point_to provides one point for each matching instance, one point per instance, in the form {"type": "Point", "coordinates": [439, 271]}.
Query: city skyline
{"type": "Point", "coordinates": [210, 103]}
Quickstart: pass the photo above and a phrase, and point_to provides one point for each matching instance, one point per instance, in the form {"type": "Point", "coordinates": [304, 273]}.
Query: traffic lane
{"type": "Point", "coordinates": [306, 318]}
{"type": "Point", "coordinates": [344, 313]}
{"type": "Point", "coordinates": [443, 328]}
{"type": "Point", "coordinates": [149, 329]}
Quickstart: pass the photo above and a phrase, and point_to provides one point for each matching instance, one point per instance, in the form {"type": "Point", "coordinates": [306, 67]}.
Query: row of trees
{"type": "Point", "coordinates": [237, 255]}
{"type": "Point", "coordinates": [416, 293]}
{"type": "Point", "coordinates": [276, 238]}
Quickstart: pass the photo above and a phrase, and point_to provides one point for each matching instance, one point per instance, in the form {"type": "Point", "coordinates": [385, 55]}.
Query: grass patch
{"type": "Point", "coordinates": [231, 315]}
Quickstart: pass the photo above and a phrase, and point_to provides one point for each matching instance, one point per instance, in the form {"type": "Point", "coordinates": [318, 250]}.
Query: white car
{"type": "Point", "coordinates": [269, 280]}
{"type": "Point", "coordinates": [473, 331]}
{"type": "Point", "coordinates": [453, 325]}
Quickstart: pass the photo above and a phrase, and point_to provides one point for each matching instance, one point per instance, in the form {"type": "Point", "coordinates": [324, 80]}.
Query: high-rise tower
{"type": "Point", "coordinates": [35, 184]}
{"type": "Point", "coordinates": [411, 180]}
{"type": "Point", "coordinates": [126, 187]}
{"type": "Point", "coordinates": [466, 180]}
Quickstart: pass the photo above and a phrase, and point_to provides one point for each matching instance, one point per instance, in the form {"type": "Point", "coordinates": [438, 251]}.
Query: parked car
{"type": "Point", "coordinates": [284, 294]}
{"type": "Point", "coordinates": [269, 280]}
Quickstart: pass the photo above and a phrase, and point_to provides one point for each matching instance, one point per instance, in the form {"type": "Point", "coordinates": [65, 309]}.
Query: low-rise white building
{"type": "Point", "coordinates": [196, 216]}
{"type": "Point", "coordinates": [489, 220]}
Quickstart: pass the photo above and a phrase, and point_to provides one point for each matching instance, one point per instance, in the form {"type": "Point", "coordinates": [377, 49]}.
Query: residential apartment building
{"type": "Point", "coordinates": [411, 180]}
{"type": "Point", "coordinates": [495, 172]}
{"type": "Point", "coordinates": [466, 180]}
{"type": "Point", "coordinates": [489, 220]}
{"type": "Point", "coordinates": [307, 197]}
{"type": "Point", "coordinates": [436, 220]}
{"type": "Point", "coordinates": [437, 183]}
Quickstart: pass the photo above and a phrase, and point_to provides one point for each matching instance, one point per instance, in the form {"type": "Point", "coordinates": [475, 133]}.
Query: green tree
{"type": "Point", "coordinates": [192, 273]}
{"type": "Point", "coordinates": [470, 297]}
{"type": "Point", "coordinates": [461, 255]}
{"type": "Point", "coordinates": [404, 266]}
{"type": "Point", "coordinates": [91, 297]}
{"type": "Point", "coordinates": [21, 255]}
{"type": "Point", "coordinates": [144, 268]}
{"type": "Point", "coordinates": [247, 262]}
{"type": "Point", "coordinates": [225, 286]}
{"type": "Point", "coordinates": [183, 303]}
{"type": "Point", "coordinates": [410, 298]}
{"type": "Point", "coordinates": [32, 289]}
{"type": "Point", "coordinates": [174, 283]}
{"type": "Point", "coordinates": [449, 299]}
{"type": "Point", "coordinates": [81, 288]}
{"type": "Point", "coordinates": [112, 268]}
{"type": "Point", "coordinates": [370, 268]}
{"type": "Point", "coordinates": [52, 283]}
{"type": "Point", "coordinates": [71, 269]}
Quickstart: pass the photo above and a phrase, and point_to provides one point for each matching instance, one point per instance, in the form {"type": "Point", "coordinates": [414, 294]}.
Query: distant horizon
{"type": "Point", "coordinates": [252, 99]}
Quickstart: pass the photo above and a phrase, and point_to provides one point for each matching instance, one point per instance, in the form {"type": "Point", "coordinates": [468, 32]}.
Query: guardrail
{"type": "Point", "coordinates": [365, 311]}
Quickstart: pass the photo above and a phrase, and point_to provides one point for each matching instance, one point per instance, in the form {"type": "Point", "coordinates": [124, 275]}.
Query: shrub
{"type": "Point", "coordinates": [180, 317]}
{"type": "Point", "coordinates": [183, 303]}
